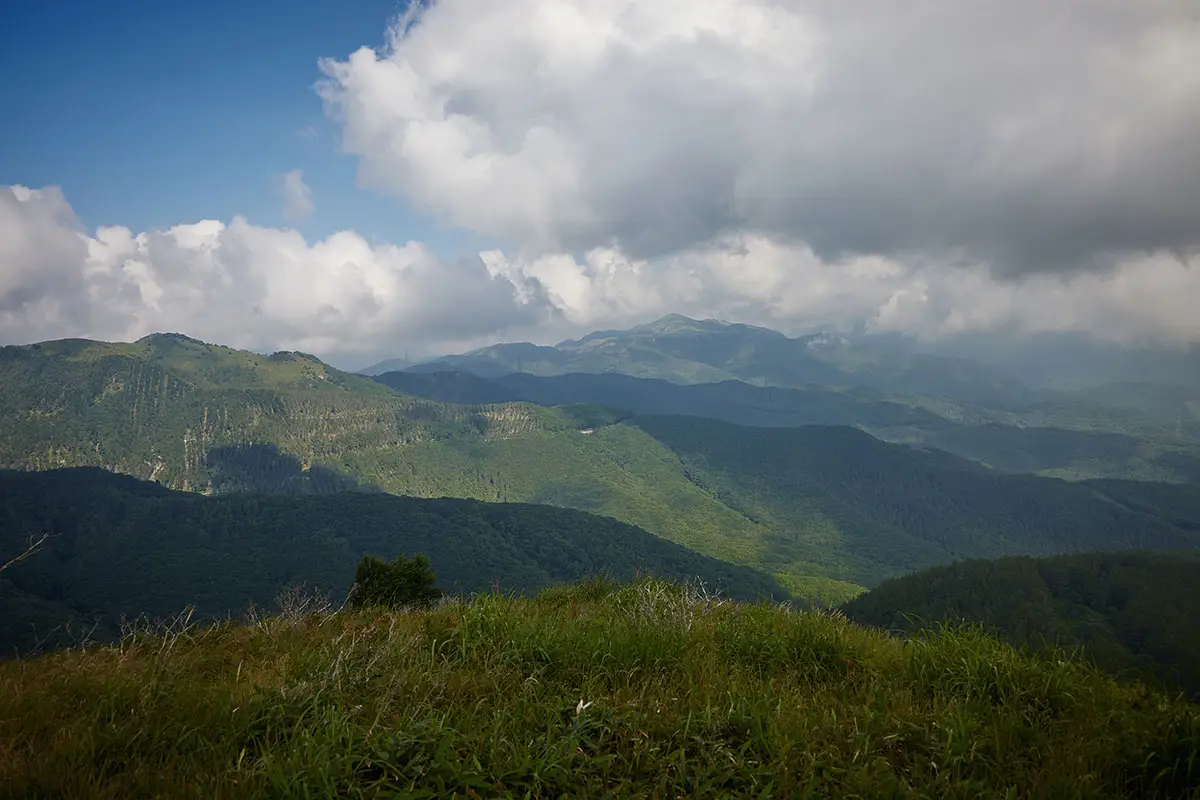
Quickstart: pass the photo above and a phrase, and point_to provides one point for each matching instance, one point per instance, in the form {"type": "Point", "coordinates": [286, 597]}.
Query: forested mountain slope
{"type": "Point", "coordinates": [887, 509]}
{"type": "Point", "coordinates": [703, 351]}
{"type": "Point", "coordinates": [120, 547]}
{"type": "Point", "coordinates": [1179, 505]}
{"type": "Point", "coordinates": [828, 510]}
{"type": "Point", "coordinates": [688, 351]}
{"type": "Point", "coordinates": [1133, 613]}
{"type": "Point", "coordinates": [1008, 446]}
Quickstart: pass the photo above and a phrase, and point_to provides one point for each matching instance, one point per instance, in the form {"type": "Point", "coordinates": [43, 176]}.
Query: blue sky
{"type": "Point", "coordinates": [150, 113]}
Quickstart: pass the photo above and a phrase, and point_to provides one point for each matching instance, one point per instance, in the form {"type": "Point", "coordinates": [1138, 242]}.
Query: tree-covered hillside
{"type": "Point", "coordinates": [999, 439]}
{"type": "Point", "coordinates": [465, 388]}
{"type": "Point", "coordinates": [703, 351]}
{"type": "Point", "coordinates": [688, 351]}
{"type": "Point", "coordinates": [1179, 505]}
{"type": "Point", "coordinates": [872, 509]}
{"type": "Point", "coordinates": [120, 547]}
{"type": "Point", "coordinates": [160, 407]}
{"type": "Point", "coordinates": [827, 510]}
{"type": "Point", "coordinates": [1133, 613]}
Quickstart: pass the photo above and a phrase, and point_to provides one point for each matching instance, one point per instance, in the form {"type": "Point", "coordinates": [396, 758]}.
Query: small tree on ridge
{"type": "Point", "coordinates": [403, 582]}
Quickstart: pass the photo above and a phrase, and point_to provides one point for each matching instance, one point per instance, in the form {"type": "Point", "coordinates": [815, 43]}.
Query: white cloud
{"type": "Point", "coordinates": [297, 196]}
{"type": "Point", "coordinates": [1148, 299]}
{"type": "Point", "coordinates": [41, 252]}
{"type": "Point", "coordinates": [1033, 136]}
{"type": "Point", "coordinates": [237, 284]}
{"type": "Point", "coordinates": [352, 301]}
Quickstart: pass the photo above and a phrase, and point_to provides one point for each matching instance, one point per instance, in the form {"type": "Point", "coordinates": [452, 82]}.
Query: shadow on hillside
{"type": "Point", "coordinates": [1185, 466]}
{"type": "Point", "coordinates": [263, 469]}
{"type": "Point", "coordinates": [581, 498]}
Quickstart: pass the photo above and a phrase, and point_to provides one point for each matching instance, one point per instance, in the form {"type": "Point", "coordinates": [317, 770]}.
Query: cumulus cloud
{"type": "Point", "coordinates": [1149, 299]}
{"type": "Point", "coordinates": [343, 298]}
{"type": "Point", "coordinates": [1026, 136]}
{"type": "Point", "coordinates": [42, 258]}
{"type": "Point", "coordinates": [235, 283]}
{"type": "Point", "coordinates": [297, 196]}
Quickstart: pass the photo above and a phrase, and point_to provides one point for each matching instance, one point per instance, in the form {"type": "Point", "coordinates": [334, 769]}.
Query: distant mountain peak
{"type": "Point", "coordinates": [294, 355]}
{"type": "Point", "coordinates": [168, 338]}
{"type": "Point", "coordinates": [678, 320]}
{"type": "Point", "coordinates": [678, 323]}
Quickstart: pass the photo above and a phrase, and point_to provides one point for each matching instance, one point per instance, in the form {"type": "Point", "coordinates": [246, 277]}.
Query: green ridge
{"type": "Point", "coordinates": [123, 548]}
{"type": "Point", "coordinates": [827, 510]}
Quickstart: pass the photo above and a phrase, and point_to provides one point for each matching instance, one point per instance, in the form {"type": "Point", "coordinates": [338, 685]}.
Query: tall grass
{"type": "Point", "coordinates": [595, 690]}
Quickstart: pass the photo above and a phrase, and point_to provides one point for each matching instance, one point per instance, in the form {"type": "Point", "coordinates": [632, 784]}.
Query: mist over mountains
{"type": "Point", "coordinates": [1042, 362]}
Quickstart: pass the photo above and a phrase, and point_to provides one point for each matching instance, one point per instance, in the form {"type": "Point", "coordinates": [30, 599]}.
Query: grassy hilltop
{"type": "Point", "coordinates": [593, 690]}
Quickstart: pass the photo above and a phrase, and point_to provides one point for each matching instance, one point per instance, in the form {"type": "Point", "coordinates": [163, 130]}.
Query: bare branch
{"type": "Point", "coordinates": [30, 550]}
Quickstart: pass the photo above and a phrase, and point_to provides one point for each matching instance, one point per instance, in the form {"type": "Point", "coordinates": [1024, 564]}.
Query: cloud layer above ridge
{"type": "Point", "coordinates": [234, 283]}
{"type": "Point", "coordinates": [928, 168]}
{"type": "Point", "coordinates": [343, 298]}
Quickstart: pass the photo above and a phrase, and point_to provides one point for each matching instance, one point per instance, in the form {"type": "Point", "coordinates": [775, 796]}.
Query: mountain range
{"type": "Point", "coordinates": [1163, 415]}
{"type": "Point", "coordinates": [1017, 445]}
{"type": "Point", "coordinates": [730, 470]}
{"type": "Point", "coordinates": [705, 351]}
{"type": "Point", "coordinates": [684, 350]}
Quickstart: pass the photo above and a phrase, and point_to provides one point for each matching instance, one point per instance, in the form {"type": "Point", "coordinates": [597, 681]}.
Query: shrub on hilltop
{"type": "Point", "coordinates": [396, 584]}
